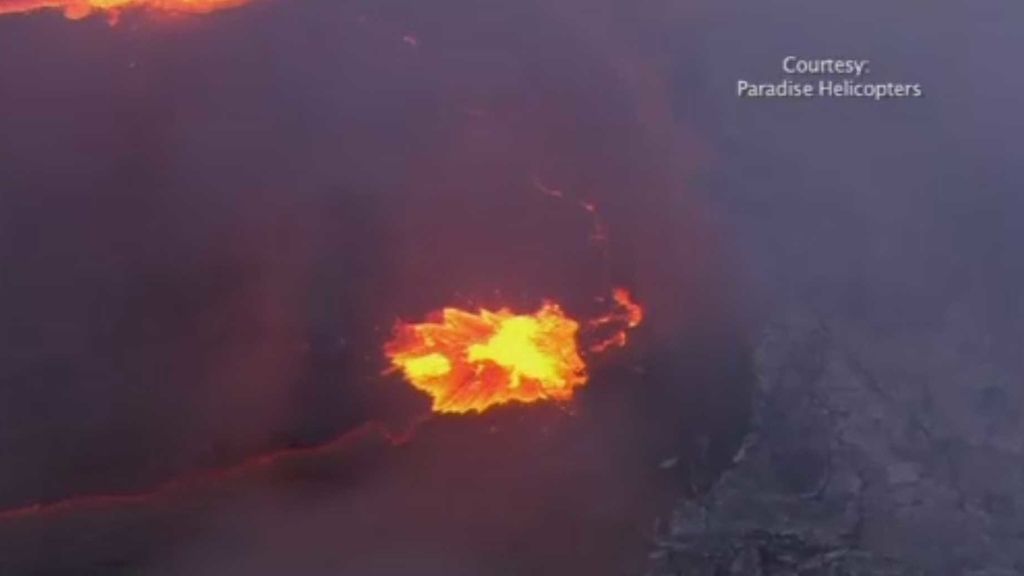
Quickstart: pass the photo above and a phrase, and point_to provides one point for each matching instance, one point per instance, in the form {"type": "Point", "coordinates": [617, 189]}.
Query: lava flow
{"type": "Point", "coordinates": [614, 325]}
{"type": "Point", "coordinates": [365, 434]}
{"type": "Point", "coordinates": [469, 362]}
{"type": "Point", "coordinates": [79, 9]}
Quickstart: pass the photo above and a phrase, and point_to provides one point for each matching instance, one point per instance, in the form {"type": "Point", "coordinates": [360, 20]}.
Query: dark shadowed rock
{"type": "Point", "coordinates": [859, 462]}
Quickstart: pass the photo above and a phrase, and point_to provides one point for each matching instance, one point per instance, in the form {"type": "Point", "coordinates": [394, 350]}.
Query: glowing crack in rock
{"type": "Point", "coordinates": [616, 324]}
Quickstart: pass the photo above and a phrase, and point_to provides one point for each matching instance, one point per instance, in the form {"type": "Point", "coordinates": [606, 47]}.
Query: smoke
{"type": "Point", "coordinates": [209, 226]}
{"type": "Point", "coordinates": [895, 212]}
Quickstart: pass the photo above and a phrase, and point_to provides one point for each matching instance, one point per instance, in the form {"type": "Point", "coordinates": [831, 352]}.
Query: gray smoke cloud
{"type": "Point", "coordinates": [208, 225]}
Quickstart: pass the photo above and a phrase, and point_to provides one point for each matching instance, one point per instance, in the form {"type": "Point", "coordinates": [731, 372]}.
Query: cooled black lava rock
{"type": "Point", "coordinates": [871, 452]}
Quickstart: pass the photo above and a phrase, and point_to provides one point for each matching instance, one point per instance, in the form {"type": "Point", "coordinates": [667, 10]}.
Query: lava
{"type": "Point", "coordinates": [364, 434]}
{"type": "Point", "coordinates": [470, 362]}
{"type": "Point", "coordinates": [612, 328]}
{"type": "Point", "coordinates": [79, 9]}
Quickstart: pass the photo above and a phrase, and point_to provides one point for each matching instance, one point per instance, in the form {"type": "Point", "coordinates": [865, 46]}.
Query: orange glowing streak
{"type": "Point", "coordinates": [78, 9]}
{"type": "Point", "coordinates": [633, 313]}
{"type": "Point", "coordinates": [470, 362]}
{"type": "Point", "coordinates": [627, 315]}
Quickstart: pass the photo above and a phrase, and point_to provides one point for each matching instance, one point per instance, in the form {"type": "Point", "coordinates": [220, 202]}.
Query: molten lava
{"type": "Point", "coordinates": [613, 326]}
{"type": "Point", "coordinates": [469, 362]}
{"type": "Point", "coordinates": [78, 9]}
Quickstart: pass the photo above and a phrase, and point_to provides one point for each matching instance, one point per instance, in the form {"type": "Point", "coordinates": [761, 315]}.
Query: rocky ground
{"type": "Point", "coordinates": [875, 449]}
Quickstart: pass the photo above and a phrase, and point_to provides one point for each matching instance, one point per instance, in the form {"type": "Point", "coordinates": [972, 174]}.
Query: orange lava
{"type": "Point", "coordinates": [633, 312]}
{"type": "Point", "coordinates": [615, 325]}
{"type": "Point", "coordinates": [78, 9]}
{"type": "Point", "coordinates": [366, 434]}
{"type": "Point", "coordinates": [470, 362]}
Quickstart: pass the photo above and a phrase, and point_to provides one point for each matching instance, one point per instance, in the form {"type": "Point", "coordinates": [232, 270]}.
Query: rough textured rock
{"type": "Point", "coordinates": [875, 449]}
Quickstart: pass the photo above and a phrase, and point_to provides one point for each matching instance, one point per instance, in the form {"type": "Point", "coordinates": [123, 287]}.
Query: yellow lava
{"type": "Point", "coordinates": [469, 362]}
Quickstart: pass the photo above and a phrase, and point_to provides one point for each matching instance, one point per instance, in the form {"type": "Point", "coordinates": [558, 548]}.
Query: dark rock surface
{"type": "Point", "coordinates": [874, 450]}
